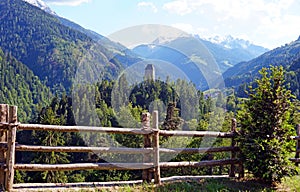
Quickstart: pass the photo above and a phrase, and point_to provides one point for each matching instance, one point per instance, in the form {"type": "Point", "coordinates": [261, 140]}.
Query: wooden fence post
{"type": "Point", "coordinates": [146, 175]}
{"type": "Point", "coordinates": [233, 144]}
{"type": "Point", "coordinates": [11, 143]}
{"type": "Point", "coordinates": [156, 148]}
{"type": "Point", "coordinates": [3, 136]}
{"type": "Point", "coordinates": [298, 143]}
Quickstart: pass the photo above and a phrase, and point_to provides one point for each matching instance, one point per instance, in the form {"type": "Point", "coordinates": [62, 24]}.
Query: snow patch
{"type": "Point", "coordinates": [41, 4]}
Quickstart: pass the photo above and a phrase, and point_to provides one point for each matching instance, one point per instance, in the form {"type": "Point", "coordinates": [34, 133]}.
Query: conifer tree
{"type": "Point", "coordinates": [50, 138]}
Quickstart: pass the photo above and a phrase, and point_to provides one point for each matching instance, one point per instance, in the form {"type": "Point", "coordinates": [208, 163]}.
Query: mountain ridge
{"type": "Point", "coordinates": [246, 72]}
{"type": "Point", "coordinates": [224, 56]}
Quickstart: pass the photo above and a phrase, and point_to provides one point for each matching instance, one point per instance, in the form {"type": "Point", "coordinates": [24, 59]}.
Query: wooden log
{"type": "Point", "coordinates": [296, 160]}
{"type": "Point", "coordinates": [198, 164]}
{"type": "Point", "coordinates": [156, 150]}
{"type": "Point", "coordinates": [3, 139]}
{"type": "Point", "coordinates": [233, 144]}
{"type": "Point", "coordinates": [186, 178]}
{"type": "Point", "coordinates": [297, 144]}
{"type": "Point", "coordinates": [146, 121]}
{"type": "Point", "coordinates": [11, 141]}
{"type": "Point", "coordinates": [82, 166]}
{"type": "Point", "coordinates": [83, 149]}
{"type": "Point", "coordinates": [196, 134]}
{"type": "Point", "coordinates": [37, 127]}
{"type": "Point", "coordinates": [241, 169]}
{"type": "Point", "coordinates": [198, 150]}
{"type": "Point", "coordinates": [146, 175]}
{"type": "Point", "coordinates": [68, 187]}
{"type": "Point", "coordinates": [295, 137]}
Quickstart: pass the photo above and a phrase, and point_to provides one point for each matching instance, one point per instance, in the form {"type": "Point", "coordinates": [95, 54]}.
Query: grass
{"type": "Point", "coordinates": [214, 185]}
{"type": "Point", "coordinates": [289, 184]}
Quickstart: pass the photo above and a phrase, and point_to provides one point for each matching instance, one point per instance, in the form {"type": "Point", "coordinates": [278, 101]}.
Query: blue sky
{"type": "Point", "coordinates": [270, 23]}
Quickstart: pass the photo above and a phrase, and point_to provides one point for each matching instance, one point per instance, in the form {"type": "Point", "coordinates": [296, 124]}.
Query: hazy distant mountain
{"type": "Point", "coordinates": [236, 43]}
{"type": "Point", "coordinates": [186, 53]}
{"type": "Point", "coordinates": [41, 4]}
{"type": "Point", "coordinates": [229, 51]}
{"type": "Point", "coordinates": [226, 51]}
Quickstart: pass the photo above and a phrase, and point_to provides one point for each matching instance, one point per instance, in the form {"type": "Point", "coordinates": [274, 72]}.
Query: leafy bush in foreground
{"type": "Point", "coordinates": [266, 126]}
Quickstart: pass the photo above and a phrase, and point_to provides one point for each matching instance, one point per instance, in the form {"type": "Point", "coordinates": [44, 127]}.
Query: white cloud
{"type": "Point", "coordinates": [188, 28]}
{"type": "Point", "coordinates": [279, 29]}
{"type": "Point", "coordinates": [148, 5]}
{"type": "Point", "coordinates": [268, 22]}
{"type": "Point", "coordinates": [227, 9]}
{"type": "Point", "coordinates": [180, 7]}
{"type": "Point", "coordinates": [66, 2]}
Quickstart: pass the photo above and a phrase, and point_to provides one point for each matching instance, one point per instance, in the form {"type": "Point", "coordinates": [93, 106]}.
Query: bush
{"type": "Point", "coordinates": [266, 126]}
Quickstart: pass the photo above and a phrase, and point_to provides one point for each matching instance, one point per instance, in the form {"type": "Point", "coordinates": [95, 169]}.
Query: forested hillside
{"type": "Point", "coordinates": [50, 49]}
{"type": "Point", "coordinates": [244, 73]}
{"type": "Point", "coordinates": [19, 86]}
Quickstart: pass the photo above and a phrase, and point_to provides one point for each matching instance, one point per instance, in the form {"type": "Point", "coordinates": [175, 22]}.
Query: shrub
{"type": "Point", "coordinates": [265, 127]}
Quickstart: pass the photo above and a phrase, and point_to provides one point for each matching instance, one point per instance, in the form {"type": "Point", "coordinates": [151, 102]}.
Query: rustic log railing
{"type": "Point", "coordinates": [297, 151]}
{"type": "Point", "coordinates": [151, 150]}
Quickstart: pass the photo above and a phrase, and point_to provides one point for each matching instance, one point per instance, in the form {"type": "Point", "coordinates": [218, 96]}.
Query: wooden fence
{"type": "Point", "coordinates": [151, 151]}
{"type": "Point", "coordinates": [297, 151]}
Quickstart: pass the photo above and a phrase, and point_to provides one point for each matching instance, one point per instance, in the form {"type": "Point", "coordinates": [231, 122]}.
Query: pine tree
{"type": "Point", "coordinates": [50, 138]}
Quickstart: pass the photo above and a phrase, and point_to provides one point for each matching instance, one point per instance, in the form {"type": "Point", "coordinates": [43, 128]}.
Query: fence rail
{"type": "Point", "coordinates": [296, 160]}
{"type": "Point", "coordinates": [151, 150]}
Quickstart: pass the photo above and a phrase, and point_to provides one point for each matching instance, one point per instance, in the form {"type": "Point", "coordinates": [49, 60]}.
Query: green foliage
{"type": "Point", "coordinates": [130, 117]}
{"type": "Point", "coordinates": [266, 126]}
{"type": "Point", "coordinates": [19, 86]}
{"type": "Point", "coordinates": [50, 138]}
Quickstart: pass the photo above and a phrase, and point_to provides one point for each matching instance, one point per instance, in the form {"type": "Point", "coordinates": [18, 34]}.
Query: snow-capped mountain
{"type": "Point", "coordinates": [230, 42]}
{"type": "Point", "coordinates": [41, 4]}
{"type": "Point", "coordinates": [227, 51]}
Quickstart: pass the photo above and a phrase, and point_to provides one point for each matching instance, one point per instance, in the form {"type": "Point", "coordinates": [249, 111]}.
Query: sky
{"type": "Point", "coordinates": [269, 23]}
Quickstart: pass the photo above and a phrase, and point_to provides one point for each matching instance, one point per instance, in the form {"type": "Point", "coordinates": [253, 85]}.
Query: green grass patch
{"type": "Point", "coordinates": [288, 184]}
{"type": "Point", "coordinates": [205, 185]}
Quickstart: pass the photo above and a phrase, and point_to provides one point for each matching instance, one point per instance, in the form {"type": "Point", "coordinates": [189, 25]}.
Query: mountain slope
{"type": "Point", "coordinates": [50, 49]}
{"type": "Point", "coordinates": [19, 86]}
{"type": "Point", "coordinates": [114, 48]}
{"type": "Point", "coordinates": [245, 72]}
{"type": "Point", "coordinates": [117, 53]}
